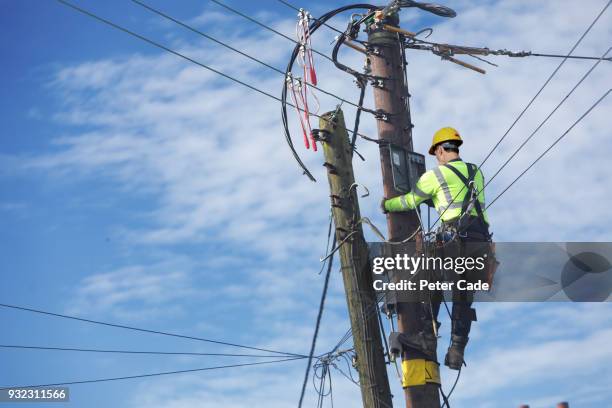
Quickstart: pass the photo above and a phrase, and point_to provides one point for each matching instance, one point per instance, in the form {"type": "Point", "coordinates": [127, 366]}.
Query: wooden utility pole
{"type": "Point", "coordinates": [356, 272]}
{"type": "Point", "coordinates": [395, 127]}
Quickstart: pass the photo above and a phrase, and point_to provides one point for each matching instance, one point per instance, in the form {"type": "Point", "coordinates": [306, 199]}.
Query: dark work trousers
{"type": "Point", "coordinates": [420, 316]}
{"type": "Point", "coordinates": [472, 243]}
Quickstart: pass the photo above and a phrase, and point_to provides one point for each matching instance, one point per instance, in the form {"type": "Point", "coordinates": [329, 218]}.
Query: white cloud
{"type": "Point", "coordinates": [136, 292]}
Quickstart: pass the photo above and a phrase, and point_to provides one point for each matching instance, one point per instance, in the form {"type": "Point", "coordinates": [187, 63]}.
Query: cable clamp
{"type": "Point", "coordinates": [374, 51]}
{"type": "Point", "coordinates": [381, 115]}
{"type": "Point", "coordinates": [377, 83]}
{"type": "Point", "coordinates": [331, 169]}
{"type": "Point", "coordinates": [337, 201]}
{"type": "Point", "coordinates": [321, 135]}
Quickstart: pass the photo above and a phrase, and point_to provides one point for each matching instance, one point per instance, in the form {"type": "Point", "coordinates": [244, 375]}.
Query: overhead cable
{"type": "Point", "coordinates": [121, 326]}
{"type": "Point", "coordinates": [164, 373]}
{"type": "Point", "coordinates": [551, 146]}
{"type": "Point", "coordinates": [165, 353]}
{"type": "Point", "coordinates": [295, 8]}
{"type": "Point", "coordinates": [223, 44]}
{"type": "Point", "coordinates": [200, 64]}
{"type": "Point", "coordinates": [267, 27]}
{"type": "Point", "coordinates": [550, 77]}
{"type": "Point", "coordinates": [518, 149]}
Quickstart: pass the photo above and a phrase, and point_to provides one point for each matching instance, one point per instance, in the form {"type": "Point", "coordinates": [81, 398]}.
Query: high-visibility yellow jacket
{"type": "Point", "coordinates": [443, 187]}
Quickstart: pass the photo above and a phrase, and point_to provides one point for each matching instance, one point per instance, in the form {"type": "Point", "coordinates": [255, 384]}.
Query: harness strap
{"type": "Point", "coordinates": [468, 182]}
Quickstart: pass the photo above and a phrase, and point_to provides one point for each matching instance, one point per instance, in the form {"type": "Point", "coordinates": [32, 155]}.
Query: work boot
{"type": "Point", "coordinates": [454, 355]}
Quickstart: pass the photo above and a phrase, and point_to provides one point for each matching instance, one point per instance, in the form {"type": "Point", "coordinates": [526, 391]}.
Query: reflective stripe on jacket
{"type": "Point", "coordinates": [442, 186]}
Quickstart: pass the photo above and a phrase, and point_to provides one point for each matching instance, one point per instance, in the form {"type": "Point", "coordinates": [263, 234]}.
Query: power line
{"type": "Point", "coordinates": [198, 63]}
{"type": "Point", "coordinates": [120, 326]}
{"type": "Point", "coordinates": [223, 44]}
{"type": "Point", "coordinates": [585, 76]}
{"type": "Point", "coordinates": [131, 377]}
{"type": "Point", "coordinates": [267, 27]}
{"type": "Point", "coordinates": [291, 6]}
{"type": "Point", "coordinates": [170, 353]}
{"type": "Point", "coordinates": [550, 77]}
{"type": "Point", "coordinates": [163, 47]}
{"type": "Point", "coordinates": [532, 54]}
{"type": "Point", "coordinates": [551, 146]}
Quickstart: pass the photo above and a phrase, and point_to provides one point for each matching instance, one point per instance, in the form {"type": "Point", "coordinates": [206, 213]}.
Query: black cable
{"type": "Point", "coordinates": [120, 326]}
{"type": "Point", "coordinates": [291, 6]}
{"type": "Point", "coordinates": [363, 85]}
{"type": "Point", "coordinates": [312, 28]}
{"type": "Point", "coordinates": [171, 353]}
{"type": "Point", "coordinates": [446, 403]}
{"type": "Point", "coordinates": [545, 152]}
{"type": "Point", "coordinates": [327, 248]}
{"type": "Point", "coordinates": [351, 33]}
{"type": "Point", "coordinates": [550, 147]}
{"type": "Point", "coordinates": [352, 29]}
{"type": "Point", "coordinates": [585, 76]}
{"type": "Point", "coordinates": [163, 47]}
{"type": "Point", "coordinates": [131, 377]}
{"type": "Point", "coordinates": [547, 81]}
{"type": "Point", "coordinates": [550, 77]}
{"type": "Point", "coordinates": [317, 324]}
{"type": "Point", "coordinates": [267, 27]}
{"type": "Point", "coordinates": [447, 397]}
{"type": "Point", "coordinates": [531, 54]}
{"type": "Point", "coordinates": [211, 38]}
{"type": "Point", "coordinates": [331, 391]}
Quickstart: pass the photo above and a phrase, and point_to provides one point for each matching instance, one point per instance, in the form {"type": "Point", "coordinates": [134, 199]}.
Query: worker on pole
{"type": "Point", "coordinates": [456, 189]}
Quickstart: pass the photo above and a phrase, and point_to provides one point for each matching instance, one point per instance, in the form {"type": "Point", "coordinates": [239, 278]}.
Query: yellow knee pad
{"type": "Point", "coordinates": [420, 372]}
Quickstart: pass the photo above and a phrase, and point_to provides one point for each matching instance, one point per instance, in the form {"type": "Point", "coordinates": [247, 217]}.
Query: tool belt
{"type": "Point", "coordinates": [467, 229]}
{"type": "Point", "coordinates": [473, 241]}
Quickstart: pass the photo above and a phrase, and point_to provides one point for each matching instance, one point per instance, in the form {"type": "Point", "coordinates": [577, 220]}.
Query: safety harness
{"type": "Point", "coordinates": [462, 225]}
{"type": "Point", "coordinates": [470, 200]}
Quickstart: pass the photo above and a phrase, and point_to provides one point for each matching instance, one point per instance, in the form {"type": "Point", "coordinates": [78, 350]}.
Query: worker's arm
{"type": "Point", "coordinates": [424, 190]}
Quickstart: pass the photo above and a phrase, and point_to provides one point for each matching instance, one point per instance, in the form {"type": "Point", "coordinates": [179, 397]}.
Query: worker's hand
{"type": "Point", "coordinates": [382, 206]}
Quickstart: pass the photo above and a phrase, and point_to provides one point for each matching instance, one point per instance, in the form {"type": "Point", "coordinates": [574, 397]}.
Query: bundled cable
{"type": "Point", "coordinates": [289, 83]}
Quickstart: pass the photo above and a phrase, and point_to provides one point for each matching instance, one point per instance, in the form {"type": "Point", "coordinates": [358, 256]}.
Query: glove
{"type": "Point", "coordinates": [382, 206]}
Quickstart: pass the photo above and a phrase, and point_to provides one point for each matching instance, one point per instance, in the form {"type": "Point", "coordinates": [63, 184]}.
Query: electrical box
{"type": "Point", "coordinates": [406, 167]}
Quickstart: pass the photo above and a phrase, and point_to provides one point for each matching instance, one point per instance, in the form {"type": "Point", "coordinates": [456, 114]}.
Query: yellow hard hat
{"type": "Point", "coordinates": [444, 135]}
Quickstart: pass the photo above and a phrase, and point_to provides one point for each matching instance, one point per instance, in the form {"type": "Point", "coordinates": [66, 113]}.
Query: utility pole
{"type": "Point", "coordinates": [356, 272]}
{"type": "Point", "coordinates": [395, 127]}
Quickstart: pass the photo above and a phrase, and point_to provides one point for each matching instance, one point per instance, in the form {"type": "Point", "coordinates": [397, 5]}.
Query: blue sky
{"type": "Point", "coordinates": [139, 189]}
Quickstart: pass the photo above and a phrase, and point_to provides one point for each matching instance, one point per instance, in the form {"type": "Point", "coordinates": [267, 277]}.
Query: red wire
{"type": "Point", "coordinates": [303, 96]}
{"type": "Point", "coordinates": [299, 115]}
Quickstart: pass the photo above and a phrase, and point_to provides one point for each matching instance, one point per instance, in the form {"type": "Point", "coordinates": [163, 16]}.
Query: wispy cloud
{"type": "Point", "coordinates": [136, 292]}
